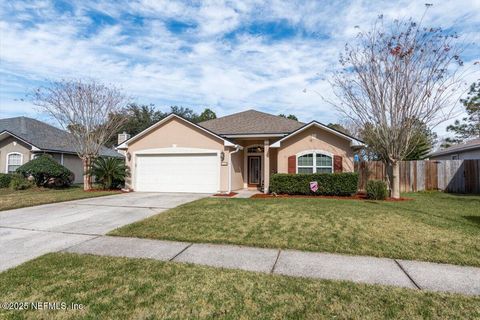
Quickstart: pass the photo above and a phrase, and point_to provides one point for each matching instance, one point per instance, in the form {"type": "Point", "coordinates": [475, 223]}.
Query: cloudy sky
{"type": "Point", "coordinates": [227, 55]}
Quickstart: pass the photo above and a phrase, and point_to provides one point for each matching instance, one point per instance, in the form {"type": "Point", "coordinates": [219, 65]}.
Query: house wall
{"type": "Point", "coordinates": [178, 133]}
{"type": "Point", "coordinates": [11, 144]}
{"type": "Point", "coordinates": [465, 155]}
{"type": "Point", "coordinates": [315, 138]}
{"type": "Point", "coordinates": [237, 170]}
{"type": "Point", "coordinates": [74, 164]}
{"type": "Point", "coordinates": [273, 160]}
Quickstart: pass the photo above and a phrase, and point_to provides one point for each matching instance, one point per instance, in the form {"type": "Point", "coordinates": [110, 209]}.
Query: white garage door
{"type": "Point", "coordinates": [177, 173]}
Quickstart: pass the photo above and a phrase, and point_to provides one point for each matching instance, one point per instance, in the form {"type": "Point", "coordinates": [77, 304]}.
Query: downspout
{"type": "Point", "coordinates": [230, 167]}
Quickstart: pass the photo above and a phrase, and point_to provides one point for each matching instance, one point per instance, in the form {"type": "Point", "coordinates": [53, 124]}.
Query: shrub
{"type": "Point", "coordinates": [332, 184]}
{"type": "Point", "coordinates": [377, 190]}
{"type": "Point", "coordinates": [19, 182]}
{"type": "Point", "coordinates": [46, 172]}
{"type": "Point", "coordinates": [5, 179]}
{"type": "Point", "coordinates": [109, 172]}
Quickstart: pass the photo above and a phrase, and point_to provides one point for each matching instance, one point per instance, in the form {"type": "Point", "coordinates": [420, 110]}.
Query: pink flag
{"type": "Point", "coordinates": [314, 186]}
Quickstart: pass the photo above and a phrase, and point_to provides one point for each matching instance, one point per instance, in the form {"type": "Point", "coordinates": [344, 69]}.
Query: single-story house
{"type": "Point", "coordinates": [469, 150]}
{"type": "Point", "coordinates": [22, 139]}
{"type": "Point", "coordinates": [233, 152]}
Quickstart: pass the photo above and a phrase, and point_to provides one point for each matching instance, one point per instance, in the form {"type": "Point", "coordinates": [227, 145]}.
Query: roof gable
{"type": "Point", "coordinates": [353, 141]}
{"type": "Point", "coordinates": [251, 122]}
{"type": "Point", "coordinates": [156, 125]}
{"type": "Point", "coordinates": [43, 136]}
{"type": "Point", "coordinates": [5, 133]}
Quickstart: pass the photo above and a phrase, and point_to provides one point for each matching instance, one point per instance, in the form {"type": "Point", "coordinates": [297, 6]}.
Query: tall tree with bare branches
{"type": "Point", "coordinates": [89, 110]}
{"type": "Point", "coordinates": [395, 77]}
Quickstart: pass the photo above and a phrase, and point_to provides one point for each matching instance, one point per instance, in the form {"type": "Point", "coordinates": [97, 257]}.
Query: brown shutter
{"type": "Point", "coordinates": [337, 164]}
{"type": "Point", "coordinates": [292, 164]}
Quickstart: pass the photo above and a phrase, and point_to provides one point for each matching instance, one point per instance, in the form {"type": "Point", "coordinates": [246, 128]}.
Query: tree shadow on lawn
{"type": "Point", "coordinates": [473, 219]}
{"type": "Point", "coordinates": [426, 216]}
{"type": "Point", "coordinates": [464, 197]}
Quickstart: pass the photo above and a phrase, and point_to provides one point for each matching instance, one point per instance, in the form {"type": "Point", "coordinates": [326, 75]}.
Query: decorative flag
{"type": "Point", "coordinates": [314, 186]}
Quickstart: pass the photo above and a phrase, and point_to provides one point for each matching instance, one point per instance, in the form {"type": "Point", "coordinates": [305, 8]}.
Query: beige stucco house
{"type": "Point", "coordinates": [233, 152]}
{"type": "Point", "coordinates": [22, 139]}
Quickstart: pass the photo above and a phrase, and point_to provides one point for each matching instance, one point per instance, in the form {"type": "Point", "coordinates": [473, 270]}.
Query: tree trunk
{"type": "Point", "coordinates": [395, 180]}
{"type": "Point", "coordinates": [87, 181]}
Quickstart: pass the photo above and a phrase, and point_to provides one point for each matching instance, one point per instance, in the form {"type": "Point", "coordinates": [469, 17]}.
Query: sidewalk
{"type": "Point", "coordinates": [245, 193]}
{"type": "Point", "coordinates": [401, 273]}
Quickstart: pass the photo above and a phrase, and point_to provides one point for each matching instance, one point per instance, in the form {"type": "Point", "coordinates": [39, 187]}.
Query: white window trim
{"type": "Point", "coordinates": [8, 155]}
{"type": "Point", "coordinates": [314, 164]}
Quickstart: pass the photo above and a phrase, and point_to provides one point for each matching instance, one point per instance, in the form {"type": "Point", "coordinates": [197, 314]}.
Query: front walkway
{"type": "Point", "coordinates": [245, 193]}
{"type": "Point", "coordinates": [402, 273]}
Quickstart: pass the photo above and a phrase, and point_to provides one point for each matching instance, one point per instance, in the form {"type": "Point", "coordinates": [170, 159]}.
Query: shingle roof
{"type": "Point", "coordinates": [468, 145]}
{"type": "Point", "coordinates": [251, 122]}
{"type": "Point", "coordinates": [44, 136]}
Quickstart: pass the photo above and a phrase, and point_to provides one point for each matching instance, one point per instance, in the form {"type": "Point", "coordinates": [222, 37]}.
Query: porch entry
{"type": "Point", "coordinates": [254, 171]}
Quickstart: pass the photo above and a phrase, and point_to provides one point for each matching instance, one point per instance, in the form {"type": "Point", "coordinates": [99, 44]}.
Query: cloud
{"type": "Point", "coordinates": [229, 55]}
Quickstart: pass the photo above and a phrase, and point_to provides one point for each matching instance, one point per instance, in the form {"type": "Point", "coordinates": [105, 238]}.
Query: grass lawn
{"type": "Point", "coordinates": [434, 226]}
{"type": "Point", "coordinates": [10, 199]}
{"type": "Point", "coordinates": [121, 288]}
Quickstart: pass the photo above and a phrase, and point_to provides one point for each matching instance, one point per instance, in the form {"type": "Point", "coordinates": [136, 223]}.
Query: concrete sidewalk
{"type": "Point", "coordinates": [402, 273]}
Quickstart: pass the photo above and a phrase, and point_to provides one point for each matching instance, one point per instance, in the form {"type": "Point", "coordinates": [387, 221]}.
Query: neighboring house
{"type": "Point", "coordinates": [233, 152]}
{"type": "Point", "coordinates": [469, 150]}
{"type": "Point", "coordinates": [22, 139]}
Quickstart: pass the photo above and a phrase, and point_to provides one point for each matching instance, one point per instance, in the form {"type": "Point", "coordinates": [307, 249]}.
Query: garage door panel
{"type": "Point", "coordinates": [177, 173]}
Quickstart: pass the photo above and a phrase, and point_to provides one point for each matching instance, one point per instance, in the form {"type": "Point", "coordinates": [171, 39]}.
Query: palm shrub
{"type": "Point", "coordinates": [46, 172]}
{"type": "Point", "coordinates": [377, 190]}
{"type": "Point", "coordinates": [109, 172]}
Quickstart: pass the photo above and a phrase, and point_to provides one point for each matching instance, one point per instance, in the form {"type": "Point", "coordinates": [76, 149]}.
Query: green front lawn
{"type": "Point", "coordinates": [121, 288]}
{"type": "Point", "coordinates": [11, 199]}
{"type": "Point", "coordinates": [433, 226]}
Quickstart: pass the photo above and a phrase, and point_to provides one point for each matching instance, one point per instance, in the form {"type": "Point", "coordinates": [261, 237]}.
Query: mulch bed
{"type": "Point", "coordinates": [231, 194]}
{"type": "Point", "coordinates": [358, 196]}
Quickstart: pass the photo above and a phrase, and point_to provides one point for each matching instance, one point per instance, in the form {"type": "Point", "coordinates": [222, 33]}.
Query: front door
{"type": "Point", "coordinates": [254, 170]}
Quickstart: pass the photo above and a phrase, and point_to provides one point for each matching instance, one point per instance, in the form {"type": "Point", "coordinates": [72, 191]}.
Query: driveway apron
{"type": "Point", "coordinates": [27, 233]}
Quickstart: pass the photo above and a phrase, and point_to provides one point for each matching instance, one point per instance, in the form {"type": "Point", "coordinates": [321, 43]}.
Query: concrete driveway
{"type": "Point", "coordinates": [27, 233]}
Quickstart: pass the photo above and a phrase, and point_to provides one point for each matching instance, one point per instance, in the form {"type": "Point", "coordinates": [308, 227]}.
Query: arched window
{"type": "Point", "coordinates": [14, 160]}
{"type": "Point", "coordinates": [314, 162]}
{"type": "Point", "coordinates": [255, 149]}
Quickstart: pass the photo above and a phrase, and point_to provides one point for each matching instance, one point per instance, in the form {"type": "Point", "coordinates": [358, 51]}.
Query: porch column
{"type": "Point", "coordinates": [266, 165]}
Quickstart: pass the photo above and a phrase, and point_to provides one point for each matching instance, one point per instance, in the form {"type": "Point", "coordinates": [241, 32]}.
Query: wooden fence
{"type": "Point", "coordinates": [457, 176]}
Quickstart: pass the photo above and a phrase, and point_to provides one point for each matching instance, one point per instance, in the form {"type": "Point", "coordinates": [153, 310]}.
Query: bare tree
{"type": "Point", "coordinates": [88, 110]}
{"type": "Point", "coordinates": [393, 78]}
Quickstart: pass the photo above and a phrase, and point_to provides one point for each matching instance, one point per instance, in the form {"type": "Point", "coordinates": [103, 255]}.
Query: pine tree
{"type": "Point", "coordinates": [469, 126]}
